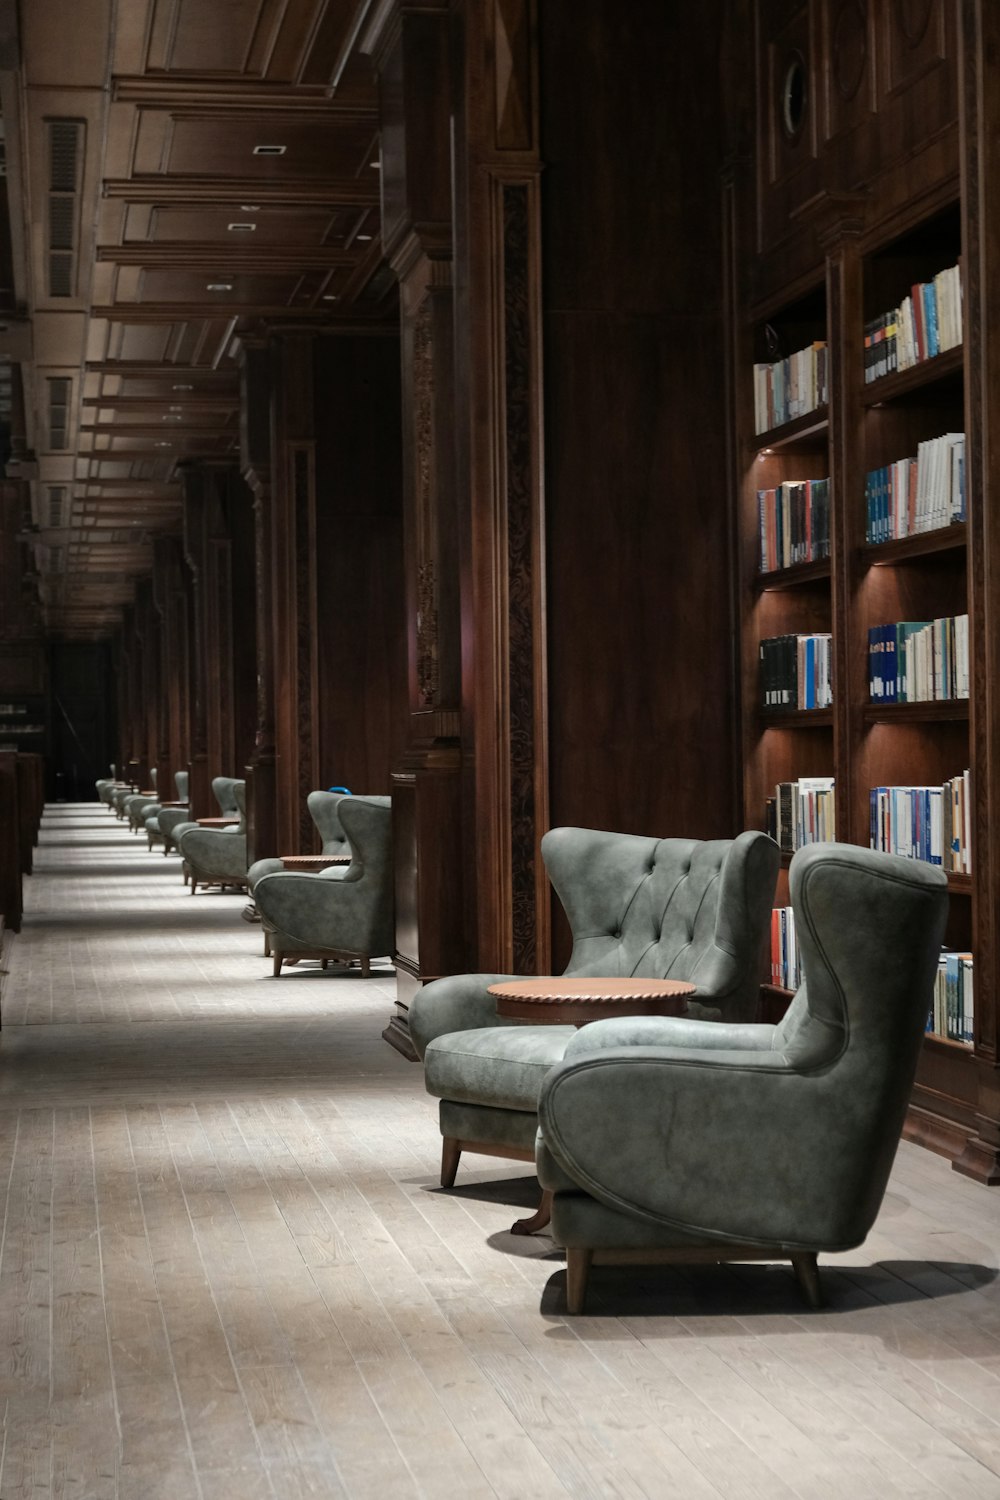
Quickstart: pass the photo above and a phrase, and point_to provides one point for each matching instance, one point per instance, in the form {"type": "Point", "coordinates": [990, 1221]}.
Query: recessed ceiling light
{"type": "Point", "coordinates": [362, 236]}
{"type": "Point", "coordinates": [163, 445]}
{"type": "Point", "coordinates": [241, 228]}
{"type": "Point", "coordinates": [249, 208]}
{"type": "Point", "coordinates": [329, 296]}
{"type": "Point", "coordinates": [269, 150]}
{"type": "Point", "coordinates": [176, 408]}
{"type": "Point", "coordinates": [219, 286]}
{"type": "Point", "coordinates": [182, 388]}
{"type": "Point", "coordinates": [376, 164]}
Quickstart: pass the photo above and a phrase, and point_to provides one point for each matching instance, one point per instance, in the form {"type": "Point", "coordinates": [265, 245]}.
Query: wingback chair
{"type": "Point", "coordinates": [139, 803]}
{"type": "Point", "coordinates": [339, 913]}
{"type": "Point", "coordinates": [671, 1140]}
{"type": "Point", "coordinates": [161, 820]}
{"type": "Point", "coordinates": [638, 907]}
{"type": "Point", "coordinates": [222, 791]}
{"type": "Point", "coordinates": [217, 856]}
{"type": "Point", "coordinates": [322, 808]}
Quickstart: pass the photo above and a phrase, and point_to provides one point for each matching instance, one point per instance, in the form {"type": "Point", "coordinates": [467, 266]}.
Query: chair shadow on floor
{"type": "Point", "coordinates": [749, 1291]}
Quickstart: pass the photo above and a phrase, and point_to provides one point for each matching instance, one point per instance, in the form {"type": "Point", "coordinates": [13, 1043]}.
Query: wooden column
{"type": "Point", "coordinates": [293, 586]}
{"type": "Point", "coordinates": [255, 465]}
{"type": "Point", "coordinates": [200, 769]}
{"type": "Point", "coordinates": [498, 313]}
{"type": "Point", "coordinates": [170, 583]}
{"type": "Point", "coordinates": [980, 48]}
{"type": "Point", "coordinates": [10, 861]}
{"type": "Point", "coordinates": [410, 44]}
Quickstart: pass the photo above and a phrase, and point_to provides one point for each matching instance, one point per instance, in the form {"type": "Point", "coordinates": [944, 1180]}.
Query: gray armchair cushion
{"type": "Point", "coordinates": [772, 1135]}
{"type": "Point", "coordinates": [343, 912]}
{"type": "Point", "coordinates": [501, 1070]}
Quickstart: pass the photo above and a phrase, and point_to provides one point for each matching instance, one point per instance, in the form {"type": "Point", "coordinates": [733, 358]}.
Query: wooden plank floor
{"type": "Point", "coordinates": [226, 1270]}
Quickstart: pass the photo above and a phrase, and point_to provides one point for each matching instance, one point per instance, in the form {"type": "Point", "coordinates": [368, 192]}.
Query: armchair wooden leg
{"type": "Point", "coordinates": [539, 1219]}
{"type": "Point", "coordinates": [807, 1276]}
{"type": "Point", "coordinates": [451, 1155]}
{"type": "Point", "coordinates": [578, 1261]}
{"type": "Point", "coordinates": [366, 968]}
{"type": "Point", "coordinates": [276, 970]}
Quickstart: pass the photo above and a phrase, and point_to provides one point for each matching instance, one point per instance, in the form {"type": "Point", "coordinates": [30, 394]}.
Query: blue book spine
{"type": "Point", "coordinates": [930, 319]}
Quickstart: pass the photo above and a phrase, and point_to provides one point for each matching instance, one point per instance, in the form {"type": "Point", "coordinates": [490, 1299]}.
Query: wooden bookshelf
{"type": "Point", "coordinates": [823, 239]}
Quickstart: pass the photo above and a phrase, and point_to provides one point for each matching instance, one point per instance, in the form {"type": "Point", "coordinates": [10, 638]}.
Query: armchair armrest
{"type": "Point", "coordinates": [460, 1002]}
{"type": "Point", "coordinates": [710, 1142]}
{"type": "Point", "coordinates": [670, 1031]}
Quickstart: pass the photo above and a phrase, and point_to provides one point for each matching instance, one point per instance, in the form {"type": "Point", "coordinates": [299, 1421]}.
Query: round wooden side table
{"type": "Point", "coordinates": [311, 864]}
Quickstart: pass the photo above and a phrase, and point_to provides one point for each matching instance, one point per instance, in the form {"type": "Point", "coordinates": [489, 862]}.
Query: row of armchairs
{"type": "Point", "coordinates": [707, 1138]}
{"type": "Point", "coordinates": [344, 912]}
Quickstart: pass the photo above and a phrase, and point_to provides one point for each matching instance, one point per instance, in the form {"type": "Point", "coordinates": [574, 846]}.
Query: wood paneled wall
{"type": "Point", "coordinates": [360, 616]}
{"type": "Point", "coordinates": [640, 633]}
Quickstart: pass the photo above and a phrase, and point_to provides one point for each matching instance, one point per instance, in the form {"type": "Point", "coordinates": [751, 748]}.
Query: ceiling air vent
{"type": "Point", "coordinates": [59, 389]}
{"type": "Point", "coordinates": [65, 161]}
{"type": "Point", "coordinates": [57, 497]}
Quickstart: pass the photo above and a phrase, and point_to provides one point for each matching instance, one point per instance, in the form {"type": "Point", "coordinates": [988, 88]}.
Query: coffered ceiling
{"type": "Point", "coordinates": [179, 173]}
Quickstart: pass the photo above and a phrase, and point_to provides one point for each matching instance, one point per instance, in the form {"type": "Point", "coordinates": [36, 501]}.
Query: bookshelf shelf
{"type": "Point", "coordinates": [927, 544]}
{"type": "Point", "coordinates": [796, 718]}
{"type": "Point", "coordinates": [946, 368]}
{"type": "Point", "coordinates": [946, 1044]}
{"type": "Point", "coordinates": [793, 577]}
{"type": "Point", "coordinates": [819, 253]}
{"type": "Point", "coordinates": [810, 425]}
{"type": "Point", "coordinates": [948, 710]}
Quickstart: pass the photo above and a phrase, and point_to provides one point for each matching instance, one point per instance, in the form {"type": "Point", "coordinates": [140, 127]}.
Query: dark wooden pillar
{"type": "Point", "coordinates": [10, 860]}
{"type": "Point", "coordinates": [411, 46]}
{"type": "Point", "coordinates": [499, 423]}
{"type": "Point", "coordinates": [293, 586]}
{"type": "Point", "coordinates": [200, 769]}
{"type": "Point", "coordinates": [170, 583]}
{"type": "Point", "coordinates": [255, 464]}
{"type": "Point", "coordinates": [980, 105]}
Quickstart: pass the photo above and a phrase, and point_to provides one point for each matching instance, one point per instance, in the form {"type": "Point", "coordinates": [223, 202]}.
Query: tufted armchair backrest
{"type": "Point", "coordinates": [223, 786]}
{"type": "Point", "coordinates": [668, 909]}
{"type": "Point", "coordinates": [323, 811]}
{"type": "Point", "coordinates": [181, 785]}
{"type": "Point", "coordinates": [240, 800]}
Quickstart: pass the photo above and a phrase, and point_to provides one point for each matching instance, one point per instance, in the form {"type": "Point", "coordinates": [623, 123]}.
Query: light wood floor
{"type": "Point", "coordinates": [226, 1271]}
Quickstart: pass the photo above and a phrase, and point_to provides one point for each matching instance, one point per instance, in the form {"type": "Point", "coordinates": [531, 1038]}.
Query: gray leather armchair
{"type": "Point", "coordinates": [322, 808]}
{"type": "Point", "coordinates": [135, 806]}
{"type": "Point", "coordinates": [672, 1140]}
{"type": "Point", "coordinates": [222, 791]}
{"type": "Point", "coordinates": [642, 907]}
{"type": "Point", "coordinates": [339, 913]}
{"type": "Point", "coordinates": [217, 856]}
{"type": "Point", "coordinates": [162, 820]}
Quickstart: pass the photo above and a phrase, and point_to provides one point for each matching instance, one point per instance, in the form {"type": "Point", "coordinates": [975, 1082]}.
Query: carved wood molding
{"type": "Point", "coordinates": [525, 647]}
{"type": "Point", "coordinates": [426, 663]}
{"type": "Point", "coordinates": [303, 476]}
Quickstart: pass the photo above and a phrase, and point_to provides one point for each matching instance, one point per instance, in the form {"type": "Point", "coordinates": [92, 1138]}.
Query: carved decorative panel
{"type": "Point", "coordinates": [424, 499]}
{"type": "Point", "coordinates": [915, 40]}
{"type": "Point", "coordinates": [520, 570]}
{"type": "Point", "coordinates": [513, 75]}
{"type": "Point", "coordinates": [790, 102]}
{"type": "Point", "coordinates": [302, 496]}
{"type": "Point", "coordinates": [850, 74]}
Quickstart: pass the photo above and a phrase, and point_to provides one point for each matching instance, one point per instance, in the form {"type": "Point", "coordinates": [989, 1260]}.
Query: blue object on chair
{"type": "Point", "coordinates": [345, 789]}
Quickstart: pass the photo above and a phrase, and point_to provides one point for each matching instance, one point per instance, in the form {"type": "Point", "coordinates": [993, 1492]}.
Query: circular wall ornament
{"type": "Point", "coordinates": [850, 48]}
{"type": "Point", "coordinates": [794, 98]}
{"type": "Point", "coordinates": [912, 17]}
